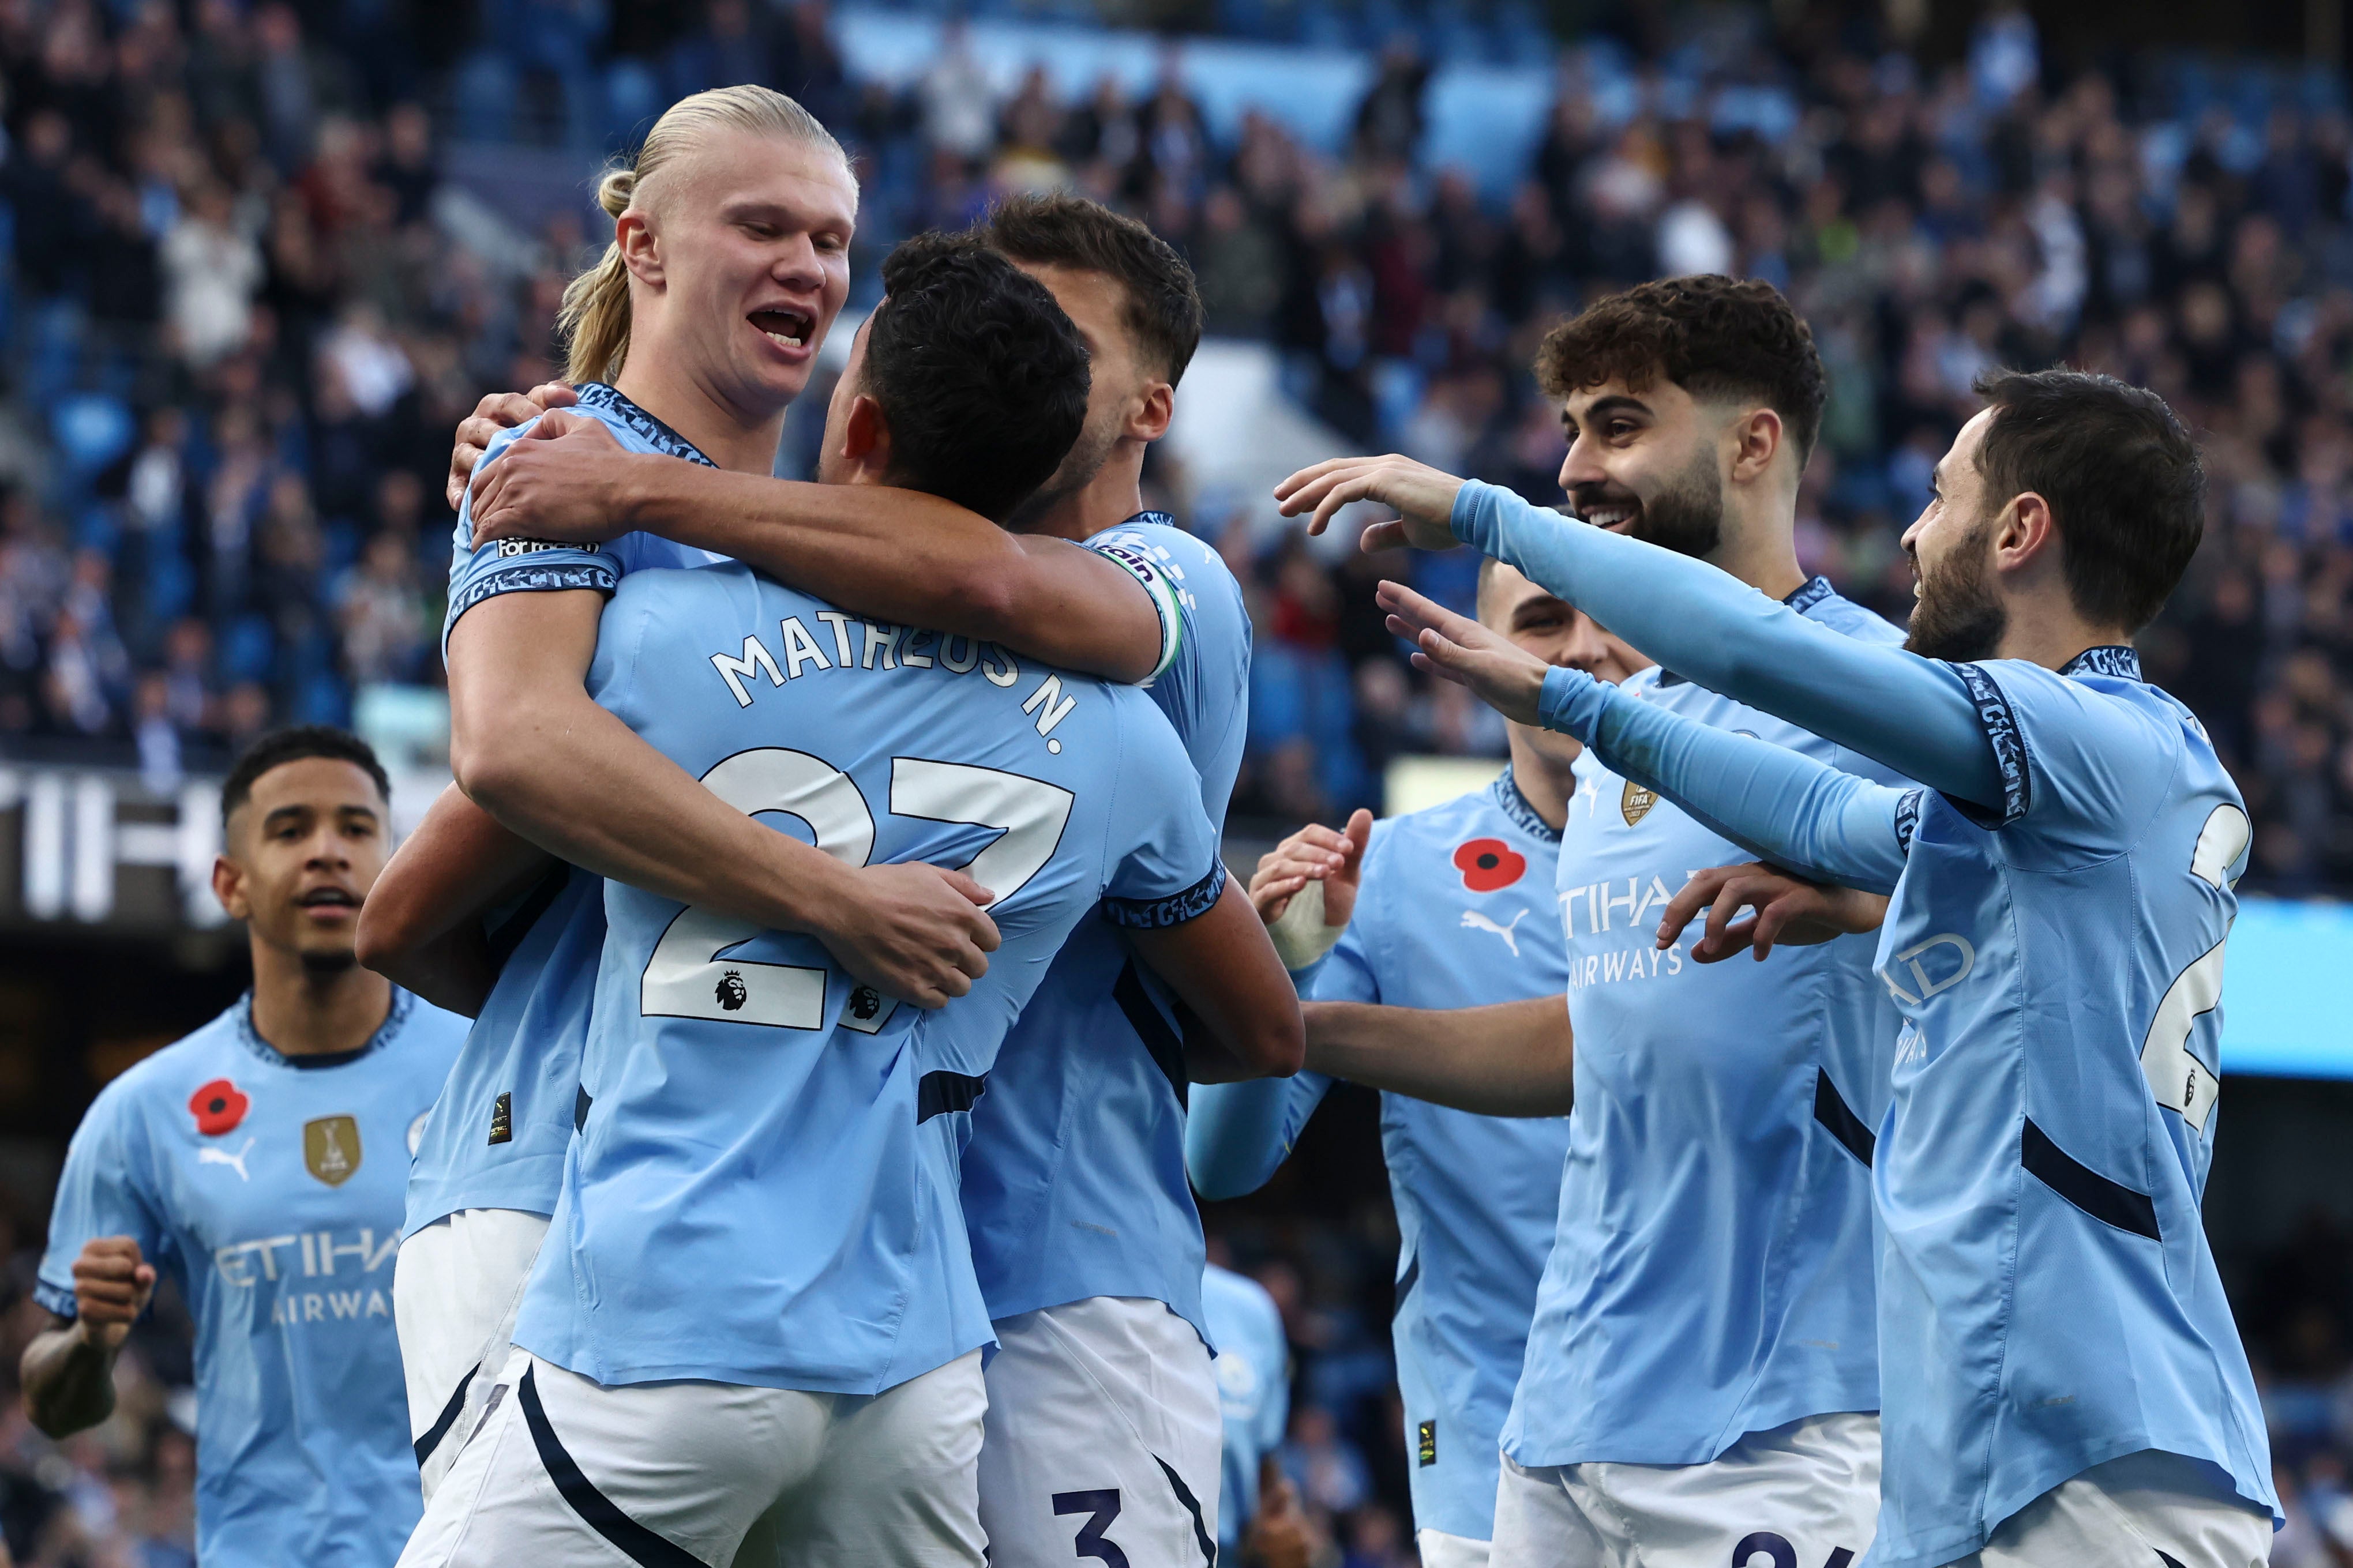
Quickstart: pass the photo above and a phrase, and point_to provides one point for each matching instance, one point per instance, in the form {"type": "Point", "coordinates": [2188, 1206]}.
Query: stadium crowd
{"type": "Point", "coordinates": [244, 311]}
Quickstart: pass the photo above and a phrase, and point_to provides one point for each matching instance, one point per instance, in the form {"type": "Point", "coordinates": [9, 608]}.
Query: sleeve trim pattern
{"type": "Point", "coordinates": [62, 1302]}
{"type": "Point", "coordinates": [2009, 745]}
{"type": "Point", "coordinates": [1132, 555]}
{"type": "Point", "coordinates": [553, 577]}
{"type": "Point", "coordinates": [1155, 914]}
{"type": "Point", "coordinates": [652, 431]}
{"type": "Point", "coordinates": [1908, 819]}
{"type": "Point", "coordinates": [1809, 594]}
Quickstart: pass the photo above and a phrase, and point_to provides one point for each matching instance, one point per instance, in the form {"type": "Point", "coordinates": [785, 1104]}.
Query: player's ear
{"type": "Point", "coordinates": [2026, 533]}
{"type": "Point", "coordinates": [1148, 420]}
{"type": "Point", "coordinates": [639, 252]}
{"type": "Point", "coordinates": [228, 887]}
{"type": "Point", "coordinates": [866, 435]}
{"type": "Point", "coordinates": [1757, 434]}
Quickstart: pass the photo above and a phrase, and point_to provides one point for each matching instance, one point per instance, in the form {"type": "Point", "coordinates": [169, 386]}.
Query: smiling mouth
{"type": "Point", "coordinates": [327, 899]}
{"type": "Point", "coordinates": [1615, 516]}
{"type": "Point", "coordinates": [786, 329]}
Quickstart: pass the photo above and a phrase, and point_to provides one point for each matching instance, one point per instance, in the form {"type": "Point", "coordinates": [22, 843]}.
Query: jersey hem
{"type": "Point", "coordinates": [448, 1203]}
{"type": "Point", "coordinates": [57, 1299]}
{"type": "Point", "coordinates": [1601, 1450]}
{"type": "Point", "coordinates": [1021, 1306]}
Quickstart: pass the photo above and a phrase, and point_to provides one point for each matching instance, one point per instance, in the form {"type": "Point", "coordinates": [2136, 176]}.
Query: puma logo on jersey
{"type": "Point", "coordinates": [1474, 921]}
{"type": "Point", "coordinates": [209, 1156]}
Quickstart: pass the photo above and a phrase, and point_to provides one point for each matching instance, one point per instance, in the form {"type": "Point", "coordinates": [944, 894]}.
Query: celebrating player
{"type": "Point", "coordinates": [2064, 1381]}
{"type": "Point", "coordinates": [1691, 1397]}
{"type": "Point", "coordinates": [261, 1163]}
{"type": "Point", "coordinates": [1477, 1197]}
{"type": "Point", "coordinates": [763, 1303]}
{"type": "Point", "coordinates": [1083, 1228]}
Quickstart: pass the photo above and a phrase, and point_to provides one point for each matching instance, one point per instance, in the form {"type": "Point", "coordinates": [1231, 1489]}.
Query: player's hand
{"type": "Point", "coordinates": [1422, 498]}
{"type": "Point", "coordinates": [1280, 1535]}
{"type": "Point", "coordinates": [1314, 854]}
{"type": "Point", "coordinates": [913, 932]}
{"type": "Point", "coordinates": [111, 1287]}
{"type": "Point", "coordinates": [566, 479]}
{"type": "Point", "coordinates": [496, 412]}
{"type": "Point", "coordinates": [1790, 912]}
{"type": "Point", "coordinates": [1505, 676]}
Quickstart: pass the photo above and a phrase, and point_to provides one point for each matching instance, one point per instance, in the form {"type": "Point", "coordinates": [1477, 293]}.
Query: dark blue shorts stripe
{"type": "Point", "coordinates": [442, 1422]}
{"type": "Point", "coordinates": [641, 1544]}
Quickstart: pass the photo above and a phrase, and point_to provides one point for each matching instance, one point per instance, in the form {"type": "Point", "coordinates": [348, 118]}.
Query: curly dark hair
{"type": "Point", "coordinates": [1164, 305]}
{"type": "Point", "coordinates": [2122, 477]}
{"type": "Point", "coordinates": [1714, 336]}
{"type": "Point", "coordinates": [980, 376]}
{"type": "Point", "coordinates": [292, 744]}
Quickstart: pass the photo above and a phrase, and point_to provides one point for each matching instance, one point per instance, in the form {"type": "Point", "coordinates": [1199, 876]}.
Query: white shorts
{"type": "Point", "coordinates": [2143, 1510]}
{"type": "Point", "coordinates": [1439, 1550]}
{"type": "Point", "coordinates": [1105, 1439]}
{"type": "Point", "coordinates": [1800, 1496]}
{"type": "Point", "coordinates": [676, 1474]}
{"type": "Point", "coordinates": [455, 1290]}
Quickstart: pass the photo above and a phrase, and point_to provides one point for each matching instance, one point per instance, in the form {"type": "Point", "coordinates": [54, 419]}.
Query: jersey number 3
{"type": "Point", "coordinates": [684, 977]}
{"type": "Point", "coordinates": [2176, 1076]}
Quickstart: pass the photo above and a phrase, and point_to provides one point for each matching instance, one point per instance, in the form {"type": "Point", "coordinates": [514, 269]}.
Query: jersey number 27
{"type": "Point", "coordinates": [684, 977]}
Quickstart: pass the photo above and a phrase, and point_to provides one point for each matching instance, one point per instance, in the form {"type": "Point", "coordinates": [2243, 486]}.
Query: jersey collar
{"type": "Point", "coordinates": [660, 437]}
{"type": "Point", "coordinates": [1804, 598]}
{"type": "Point", "coordinates": [2118, 661]}
{"type": "Point", "coordinates": [1513, 805]}
{"type": "Point", "coordinates": [403, 1002]}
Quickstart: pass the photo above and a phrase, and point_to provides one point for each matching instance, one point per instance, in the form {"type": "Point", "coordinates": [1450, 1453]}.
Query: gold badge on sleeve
{"type": "Point", "coordinates": [331, 1147]}
{"type": "Point", "coordinates": [1635, 802]}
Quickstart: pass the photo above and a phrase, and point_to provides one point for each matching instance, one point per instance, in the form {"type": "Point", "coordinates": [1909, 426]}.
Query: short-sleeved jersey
{"type": "Point", "coordinates": [1253, 1367]}
{"type": "Point", "coordinates": [764, 1190]}
{"type": "Point", "coordinates": [1727, 1106]}
{"type": "Point", "coordinates": [270, 1188]}
{"type": "Point", "coordinates": [511, 1096]}
{"type": "Point", "coordinates": [1074, 1185]}
{"type": "Point", "coordinates": [500, 1127]}
{"type": "Point", "coordinates": [1455, 909]}
{"type": "Point", "coordinates": [539, 565]}
{"type": "Point", "coordinates": [2047, 1291]}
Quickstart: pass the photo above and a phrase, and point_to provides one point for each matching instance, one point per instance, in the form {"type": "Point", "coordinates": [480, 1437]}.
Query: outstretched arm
{"type": "Point", "coordinates": [1238, 1134]}
{"type": "Point", "coordinates": [421, 925]}
{"type": "Point", "coordinates": [1781, 804]}
{"type": "Point", "coordinates": [895, 554]}
{"type": "Point", "coordinates": [1514, 1058]}
{"type": "Point", "coordinates": [1915, 715]}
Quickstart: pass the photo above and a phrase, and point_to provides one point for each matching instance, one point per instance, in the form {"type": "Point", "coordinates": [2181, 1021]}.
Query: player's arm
{"type": "Point", "coordinates": [1514, 1058]}
{"type": "Point", "coordinates": [531, 747]}
{"type": "Point", "coordinates": [897, 556]}
{"type": "Point", "coordinates": [421, 925]}
{"type": "Point", "coordinates": [1916, 715]}
{"type": "Point", "coordinates": [69, 1369]}
{"type": "Point", "coordinates": [1223, 969]}
{"type": "Point", "coordinates": [1781, 804]}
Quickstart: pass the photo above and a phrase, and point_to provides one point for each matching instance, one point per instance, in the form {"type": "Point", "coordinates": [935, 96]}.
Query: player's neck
{"type": "Point", "coordinates": [2043, 629]}
{"type": "Point", "coordinates": [1759, 544]}
{"type": "Point", "coordinates": [1546, 778]}
{"type": "Point", "coordinates": [743, 443]}
{"type": "Point", "coordinates": [303, 1012]}
{"type": "Point", "coordinates": [1110, 499]}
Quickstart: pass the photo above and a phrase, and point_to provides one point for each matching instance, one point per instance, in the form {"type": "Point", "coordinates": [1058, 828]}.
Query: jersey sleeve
{"type": "Point", "coordinates": [2082, 771]}
{"type": "Point", "coordinates": [516, 565]}
{"type": "Point", "coordinates": [1163, 867]}
{"type": "Point", "coordinates": [1237, 1135]}
{"type": "Point", "coordinates": [1778, 804]}
{"type": "Point", "coordinates": [1914, 714]}
{"type": "Point", "coordinates": [102, 1192]}
{"type": "Point", "coordinates": [1132, 552]}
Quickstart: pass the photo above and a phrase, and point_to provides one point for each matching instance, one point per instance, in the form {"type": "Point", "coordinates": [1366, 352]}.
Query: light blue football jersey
{"type": "Point", "coordinates": [511, 1098]}
{"type": "Point", "coordinates": [1253, 1367]}
{"type": "Point", "coordinates": [270, 1187]}
{"type": "Point", "coordinates": [1074, 1186]}
{"type": "Point", "coordinates": [2047, 1290]}
{"type": "Point", "coordinates": [1727, 1106]}
{"type": "Point", "coordinates": [764, 1188]}
{"type": "Point", "coordinates": [1454, 909]}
